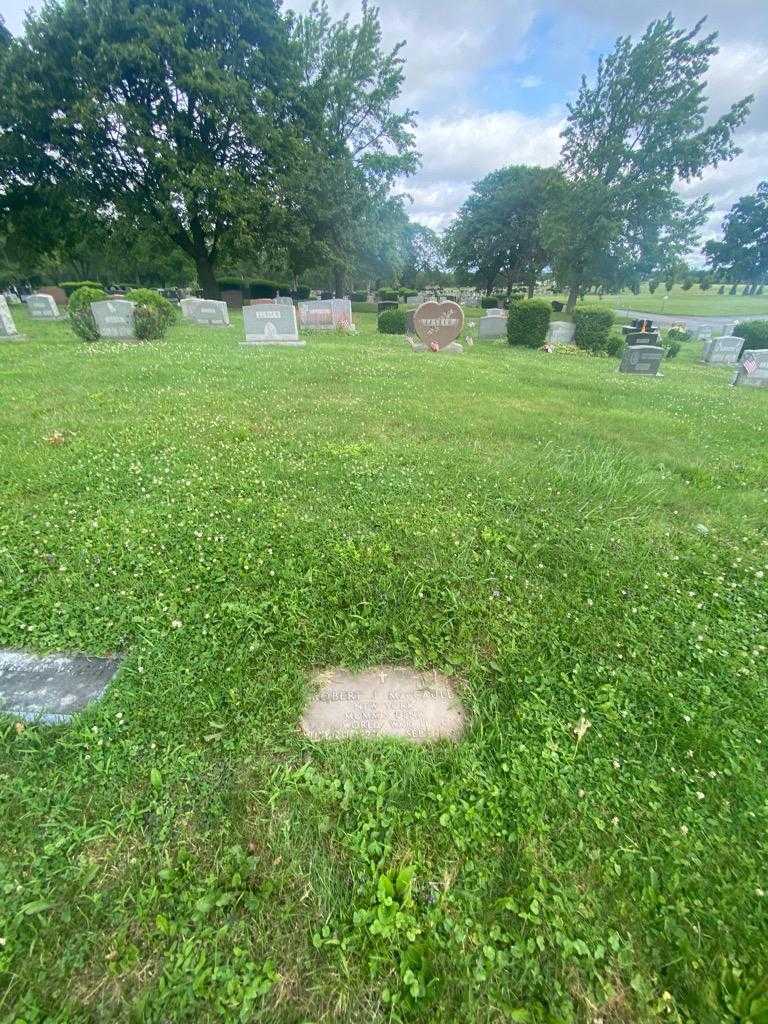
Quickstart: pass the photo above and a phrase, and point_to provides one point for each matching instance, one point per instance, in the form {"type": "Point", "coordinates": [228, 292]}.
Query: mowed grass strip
{"type": "Point", "coordinates": [585, 551]}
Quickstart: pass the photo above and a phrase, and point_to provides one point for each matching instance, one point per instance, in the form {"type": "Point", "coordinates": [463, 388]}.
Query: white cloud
{"type": "Point", "coordinates": [530, 81]}
{"type": "Point", "coordinates": [456, 151]}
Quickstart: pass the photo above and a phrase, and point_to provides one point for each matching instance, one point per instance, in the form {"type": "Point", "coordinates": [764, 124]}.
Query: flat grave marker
{"type": "Point", "coordinates": [271, 323]}
{"type": "Point", "coordinates": [52, 688]}
{"type": "Point", "coordinates": [384, 701]}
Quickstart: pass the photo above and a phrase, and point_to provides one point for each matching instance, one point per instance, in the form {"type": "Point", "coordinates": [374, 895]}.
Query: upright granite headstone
{"type": "Point", "coordinates": [560, 332]}
{"type": "Point", "coordinates": [316, 314]}
{"type": "Point", "coordinates": [7, 326]}
{"type": "Point", "coordinates": [114, 319]}
{"type": "Point", "coordinates": [42, 307]}
{"type": "Point", "coordinates": [725, 351]}
{"type": "Point", "coordinates": [438, 325]}
{"type": "Point", "coordinates": [643, 359]}
{"type": "Point", "coordinates": [271, 323]}
{"type": "Point", "coordinates": [284, 300]}
{"type": "Point", "coordinates": [753, 369]}
{"type": "Point", "coordinates": [492, 325]}
{"type": "Point", "coordinates": [642, 338]}
{"type": "Point", "coordinates": [51, 688]}
{"type": "Point", "coordinates": [58, 295]}
{"type": "Point", "coordinates": [205, 312]}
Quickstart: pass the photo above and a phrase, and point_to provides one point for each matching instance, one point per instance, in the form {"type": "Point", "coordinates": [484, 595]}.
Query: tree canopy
{"type": "Point", "coordinates": [742, 255]}
{"type": "Point", "coordinates": [227, 129]}
{"type": "Point", "coordinates": [630, 136]}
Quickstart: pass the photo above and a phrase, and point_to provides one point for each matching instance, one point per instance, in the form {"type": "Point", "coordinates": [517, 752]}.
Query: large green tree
{"type": "Point", "coordinates": [215, 124]}
{"type": "Point", "coordinates": [498, 230]}
{"type": "Point", "coordinates": [742, 255]}
{"type": "Point", "coordinates": [630, 137]}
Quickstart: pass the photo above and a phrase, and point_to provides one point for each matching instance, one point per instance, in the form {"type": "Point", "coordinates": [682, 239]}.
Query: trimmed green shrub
{"type": "Point", "coordinates": [387, 294]}
{"type": "Point", "coordinates": [300, 294]}
{"type": "Point", "coordinates": [81, 319]}
{"type": "Point", "coordinates": [261, 289]}
{"type": "Point", "coordinates": [593, 327]}
{"type": "Point", "coordinates": [153, 314]}
{"type": "Point", "coordinates": [687, 284]}
{"type": "Point", "coordinates": [721, 290]}
{"type": "Point", "coordinates": [754, 333]}
{"type": "Point", "coordinates": [678, 335]}
{"type": "Point", "coordinates": [232, 284]}
{"type": "Point", "coordinates": [491, 302]}
{"type": "Point", "coordinates": [614, 346]}
{"type": "Point", "coordinates": [358, 297]}
{"type": "Point", "coordinates": [72, 286]}
{"type": "Point", "coordinates": [527, 322]}
{"type": "Point", "coordinates": [393, 321]}
{"type": "Point", "coordinates": [381, 306]}
{"type": "Point", "coordinates": [673, 347]}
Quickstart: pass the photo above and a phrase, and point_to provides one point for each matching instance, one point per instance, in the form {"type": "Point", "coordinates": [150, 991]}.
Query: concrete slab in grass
{"type": "Point", "coordinates": [52, 688]}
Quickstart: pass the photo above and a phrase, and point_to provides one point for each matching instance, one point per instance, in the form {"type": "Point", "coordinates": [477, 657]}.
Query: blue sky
{"type": "Point", "coordinates": [490, 80]}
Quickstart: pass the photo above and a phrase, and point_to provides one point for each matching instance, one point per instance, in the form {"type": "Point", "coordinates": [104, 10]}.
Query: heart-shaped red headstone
{"type": "Point", "coordinates": [439, 322]}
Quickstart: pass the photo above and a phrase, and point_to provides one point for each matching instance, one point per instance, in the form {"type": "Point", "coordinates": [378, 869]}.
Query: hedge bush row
{"type": "Point", "coordinates": [262, 289]}
{"type": "Point", "coordinates": [72, 286]}
{"type": "Point", "coordinates": [527, 322]}
{"type": "Point", "coordinates": [491, 302]}
{"type": "Point", "coordinates": [359, 297]}
{"type": "Point", "coordinates": [393, 321]}
{"type": "Point", "coordinates": [387, 295]}
{"type": "Point", "coordinates": [754, 333]}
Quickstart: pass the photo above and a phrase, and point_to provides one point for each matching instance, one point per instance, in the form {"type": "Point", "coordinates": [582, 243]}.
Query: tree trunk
{"type": "Point", "coordinates": [206, 276]}
{"type": "Point", "coordinates": [573, 296]}
{"type": "Point", "coordinates": [531, 287]}
{"type": "Point", "coordinates": [338, 282]}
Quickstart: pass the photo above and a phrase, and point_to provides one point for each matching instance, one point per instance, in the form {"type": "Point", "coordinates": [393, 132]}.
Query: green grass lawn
{"type": "Point", "coordinates": [694, 302]}
{"type": "Point", "coordinates": [585, 550]}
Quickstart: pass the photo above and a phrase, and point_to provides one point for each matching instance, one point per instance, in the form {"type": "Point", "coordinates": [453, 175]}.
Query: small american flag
{"type": "Point", "coordinates": [750, 364]}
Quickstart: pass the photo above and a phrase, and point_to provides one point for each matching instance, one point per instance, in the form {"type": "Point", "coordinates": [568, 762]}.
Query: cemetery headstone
{"type": "Point", "coordinates": [642, 359]}
{"type": "Point", "coordinates": [58, 295]}
{"type": "Point", "coordinates": [53, 687]}
{"type": "Point", "coordinates": [205, 312]}
{"type": "Point", "coordinates": [642, 338]}
{"type": "Point", "coordinates": [561, 332]}
{"type": "Point", "coordinates": [493, 325]}
{"type": "Point", "coordinates": [233, 297]}
{"type": "Point", "coordinates": [724, 351]}
{"type": "Point", "coordinates": [284, 300]}
{"type": "Point", "coordinates": [325, 314]}
{"type": "Point", "coordinates": [438, 325]}
{"type": "Point", "coordinates": [753, 369]}
{"type": "Point", "coordinates": [271, 323]}
{"type": "Point", "coordinates": [7, 325]}
{"type": "Point", "coordinates": [114, 318]}
{"type": "Point", "coordinates": [42, 307]}
{"type": "Point", "coordinates": [386, 701]}
{"type": "Point", "coordinates": [705, 332]}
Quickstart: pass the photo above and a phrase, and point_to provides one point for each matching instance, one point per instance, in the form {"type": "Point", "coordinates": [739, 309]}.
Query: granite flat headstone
{"type": "Point", "coordinates": [7, 325]}
{"type": "Point", "coordinates": [753, 369]}
{"type": "Point", "coordinates": [385, 701]}
{"type": "Point", "coordinates": [51, 688]}
{"type": "Point", "coordinates": [42, 307]}
{"type": "Point", "coordinates": [114, 318]}
{"type": "Point", "coordinates": [725, 351]}
{"type": "Point", "coordinates": [271, 323]}
{"type": "Point", "coordinates": [643, 359]}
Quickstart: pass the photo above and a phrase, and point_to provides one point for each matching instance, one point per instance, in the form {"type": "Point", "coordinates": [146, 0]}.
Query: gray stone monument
{"type": "Point", "coordinates": [53, 687]}
{"type": "Point", "coordinates": [385, 701]}
{"type": "Point", "coordinates": [642, 359]}
{"type": "Point", "coordinates": [114, 319]}
{"type": "Point", "coordinates": [492, 325]}
{"type": "Point", "coordinates": [561, 332]}
{"type": "Point", "coordinates": [205, 312]}
{"type": "Point", "coordinates": [724, 351]}
{"type": "Point", "coordinates": [7, 326]}
{"type": "Point", "coordinates": [753, 369]}
{"type": "Point", "coordinates": [284, 300]}
{"type": "Point", "coordinates": [641, 338]}
{"type": "Point", "coordinates": [325, 314]}
{"type": "Point", "coordinates": [42, 307]}
{"type": "Point", "coordinates": [271, 323]}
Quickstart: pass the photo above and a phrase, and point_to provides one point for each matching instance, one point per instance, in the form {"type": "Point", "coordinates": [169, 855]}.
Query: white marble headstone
{"type": "Point", "coordinates": [560, 332]}
{"type": "Point", "coordinates": [753, 369]}
{"type": "Point", "coordinates": [7, 326]}
{"type": "Point", "coordinates": [492, 326]}
{"type": "Point", "coordinates": [205, 312]}
{"type": "Point", "coordinates": [725, 351]}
